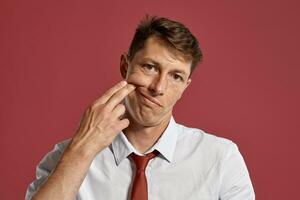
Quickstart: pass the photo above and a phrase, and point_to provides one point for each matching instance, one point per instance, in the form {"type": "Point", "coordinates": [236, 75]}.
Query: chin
{"type": "Point", "coordinates": [144, 120]}
{"type": "Point", "coordinates": [149, 122]}
{"type": "Point", "coordinates": [147, 119]}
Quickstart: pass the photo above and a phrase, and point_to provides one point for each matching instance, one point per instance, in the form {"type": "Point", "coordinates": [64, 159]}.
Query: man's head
{"type": "Point", "coordinates": [159, 63]}
{"type": "Point", "coordinates": [173, 33]}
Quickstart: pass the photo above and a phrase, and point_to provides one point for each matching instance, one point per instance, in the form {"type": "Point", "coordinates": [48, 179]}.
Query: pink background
{"type": "Point", "coordinates": [56, 57]}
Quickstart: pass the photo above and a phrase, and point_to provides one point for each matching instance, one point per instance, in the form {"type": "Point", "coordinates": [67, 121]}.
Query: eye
{"type": "Point", "coordinates": [177, 77]}
{"type": "Point", "coordinates": [149, 67]}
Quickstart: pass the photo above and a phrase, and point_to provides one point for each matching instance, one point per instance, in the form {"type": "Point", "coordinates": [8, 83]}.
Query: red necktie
{"type": "Point", "coordinates": [139, 188]}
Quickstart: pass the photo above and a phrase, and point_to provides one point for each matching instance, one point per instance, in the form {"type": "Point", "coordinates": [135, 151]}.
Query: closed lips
{"type": "Point", "coordinates": [151, 99]}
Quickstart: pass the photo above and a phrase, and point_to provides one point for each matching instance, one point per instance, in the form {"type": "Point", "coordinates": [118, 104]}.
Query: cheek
{"type": "Point", "coordinates": [131, 101]}
{"type": "Point", "coordinates": [137, 79]}
{"type": "Point", "coordinates": [175, 95]}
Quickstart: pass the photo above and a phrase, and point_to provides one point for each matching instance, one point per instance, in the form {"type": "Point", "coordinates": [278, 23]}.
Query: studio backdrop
{"type": "Point", "coordinates": [56, 57]}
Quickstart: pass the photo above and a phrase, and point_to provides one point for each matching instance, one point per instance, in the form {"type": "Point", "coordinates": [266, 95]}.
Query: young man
{"type": "Point", "coordinates": [128, 145]}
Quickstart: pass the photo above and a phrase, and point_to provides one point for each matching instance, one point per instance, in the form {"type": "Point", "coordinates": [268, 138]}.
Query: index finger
{"type": "Point", "coordinates": [109, 93]}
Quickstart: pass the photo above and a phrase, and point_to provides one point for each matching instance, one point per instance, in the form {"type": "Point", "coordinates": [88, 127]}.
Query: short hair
{"type": "Point", "coordinates": [173, 33]}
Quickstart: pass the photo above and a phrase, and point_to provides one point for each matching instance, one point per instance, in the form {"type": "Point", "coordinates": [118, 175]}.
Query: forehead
{"type": "Point", "coordinates": [157, 50]}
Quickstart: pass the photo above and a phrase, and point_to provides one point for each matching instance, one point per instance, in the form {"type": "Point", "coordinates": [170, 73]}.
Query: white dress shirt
{"type": "Point", "coordinates": [191, 165]}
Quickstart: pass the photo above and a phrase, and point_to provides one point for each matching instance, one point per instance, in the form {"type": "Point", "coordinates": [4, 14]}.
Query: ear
{"type": "Point", "coordinates": [188, 83]}
{"type": "Point", "coordinates": [123, 65]}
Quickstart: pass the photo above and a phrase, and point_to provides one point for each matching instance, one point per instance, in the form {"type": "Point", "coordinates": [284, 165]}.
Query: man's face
{"type": "Point", "coordinates": [160, 75]}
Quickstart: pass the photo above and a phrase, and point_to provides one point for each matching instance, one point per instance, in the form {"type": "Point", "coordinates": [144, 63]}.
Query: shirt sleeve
{"type": "Point", "coordinates": [235, 179]}
{"type": "Point", "coordinates": [45, 168]}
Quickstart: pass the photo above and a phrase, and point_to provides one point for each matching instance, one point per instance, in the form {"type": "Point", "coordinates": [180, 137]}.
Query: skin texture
{"type": "Point", "coordinates": [160, 74]}
{"type": "Point", "coordinates": [141, 106]}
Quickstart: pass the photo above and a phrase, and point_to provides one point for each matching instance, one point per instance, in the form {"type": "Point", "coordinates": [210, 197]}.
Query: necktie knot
{"type": "Point", "coordinates": [141, 162]}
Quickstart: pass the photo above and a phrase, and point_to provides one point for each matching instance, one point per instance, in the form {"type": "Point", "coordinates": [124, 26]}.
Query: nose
{"type": "Point", "coordinates": [158, 85]}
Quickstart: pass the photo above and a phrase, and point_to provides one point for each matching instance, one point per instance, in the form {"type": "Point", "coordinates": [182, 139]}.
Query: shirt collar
{"type": "Point", "coordinates": [166, 144]}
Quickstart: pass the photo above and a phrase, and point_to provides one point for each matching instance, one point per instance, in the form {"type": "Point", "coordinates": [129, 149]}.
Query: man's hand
{"type": "Point", "coordinates": [102, 121]}
{"type": "Point", "coordinates": [100, 124]}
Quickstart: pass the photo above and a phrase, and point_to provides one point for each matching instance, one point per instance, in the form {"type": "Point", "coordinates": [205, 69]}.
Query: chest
{"type": "Point", "coordinates": [186, 179]}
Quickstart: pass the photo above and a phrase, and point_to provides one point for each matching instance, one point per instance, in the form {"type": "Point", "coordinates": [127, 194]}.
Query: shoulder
{"type": "Point", "coordinates": [199, 137]}
{"type": "Point", "coordinates": [209, 148]}
{"type": "Point", "coordinates": [197, 143]}
{"type": "Point", "coordinates": [209, 151]}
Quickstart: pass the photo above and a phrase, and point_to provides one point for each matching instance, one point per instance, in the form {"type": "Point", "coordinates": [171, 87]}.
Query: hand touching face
{"type": "Point", "coordinates": [102, 121]}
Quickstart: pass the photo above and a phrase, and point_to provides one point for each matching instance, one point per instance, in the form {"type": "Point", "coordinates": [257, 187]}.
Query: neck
{"type": "Point", "coordinates": [144, 137]}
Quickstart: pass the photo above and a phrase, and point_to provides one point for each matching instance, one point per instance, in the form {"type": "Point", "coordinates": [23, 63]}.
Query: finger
{"type": "Point", "coordinates": [124, 123]}
{"type": "Point", "coordinates": [119, 96]}
{"type": "Point", "coordinates": [104, 98]}
{"type": "Point", "coordinates": [118, 111]}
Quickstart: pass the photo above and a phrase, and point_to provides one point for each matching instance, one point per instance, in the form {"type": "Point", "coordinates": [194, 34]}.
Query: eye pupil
{"type": "Point", "coordinates": [177, 77]}
{"type": "Point", "coordinates": [148, 67]}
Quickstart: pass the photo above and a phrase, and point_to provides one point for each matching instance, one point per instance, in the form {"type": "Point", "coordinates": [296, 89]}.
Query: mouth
{"type": "Point", "coordinates": [153, 100]}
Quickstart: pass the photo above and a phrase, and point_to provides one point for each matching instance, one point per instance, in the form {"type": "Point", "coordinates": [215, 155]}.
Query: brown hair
{"type": "Point", "coordinates": [173, 33]}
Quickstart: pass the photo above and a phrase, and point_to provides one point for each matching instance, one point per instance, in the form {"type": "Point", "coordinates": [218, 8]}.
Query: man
{"type": "Point", "coordinates": [128, 145]}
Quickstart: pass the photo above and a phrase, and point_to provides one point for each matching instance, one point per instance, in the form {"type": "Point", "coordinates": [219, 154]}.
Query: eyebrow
{"type": "Point", "coordinates": [151, 60]}
{"type": "Point", "coordinates": [158, 64]}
